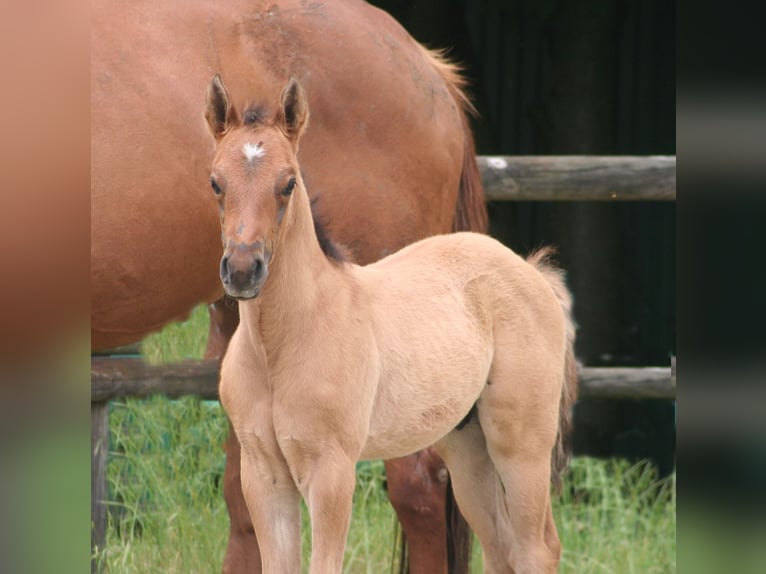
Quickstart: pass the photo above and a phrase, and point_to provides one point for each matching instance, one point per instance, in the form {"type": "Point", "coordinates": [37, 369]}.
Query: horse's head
{"type": "Point", "coordinates": [253, 176]}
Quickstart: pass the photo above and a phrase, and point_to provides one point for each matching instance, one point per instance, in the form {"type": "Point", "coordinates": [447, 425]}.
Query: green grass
{"type": "Point", "coordinates": [180, 340]}
{"type": "Point", "coordinates": [614, 517]}
{"type": "Point", "coordinates": [165, 479]}
{"type": "Point", "coordinates": [167, 512]}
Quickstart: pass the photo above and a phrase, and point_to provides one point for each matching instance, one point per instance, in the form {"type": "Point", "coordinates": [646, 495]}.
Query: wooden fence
{"type": "Point", "coordinates": [544, 178]}
{"type": "Point", "coordinates": [579, 178]}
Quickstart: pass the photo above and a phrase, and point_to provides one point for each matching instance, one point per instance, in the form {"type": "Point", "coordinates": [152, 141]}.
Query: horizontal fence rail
{"type": "Point", "coordinates": [120, 378]}
{"type": "Point", "coordinates": [578, 178]}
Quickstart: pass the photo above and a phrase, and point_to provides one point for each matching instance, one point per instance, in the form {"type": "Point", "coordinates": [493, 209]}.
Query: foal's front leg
{"type": "Point", "coordinates": [273, 502]}
{"type": "Point", "coordinates": [326, 479]}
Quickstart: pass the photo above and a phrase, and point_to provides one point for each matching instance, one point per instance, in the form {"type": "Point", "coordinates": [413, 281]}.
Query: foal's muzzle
{"type": "Point", "coordinates": [244, 269]}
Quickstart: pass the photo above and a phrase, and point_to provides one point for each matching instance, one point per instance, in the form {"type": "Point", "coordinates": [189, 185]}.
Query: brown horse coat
{"type": "Point", "coordinates": [388, 124]}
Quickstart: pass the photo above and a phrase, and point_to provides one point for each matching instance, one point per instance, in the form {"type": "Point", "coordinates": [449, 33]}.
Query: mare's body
{"type": "Point", "coordinates": [390, 155]}
{"type": "Point", "coordinates": [400, 133]}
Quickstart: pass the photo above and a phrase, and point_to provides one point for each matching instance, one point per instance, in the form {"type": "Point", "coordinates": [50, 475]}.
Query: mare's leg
{"type": "Point", "coordinates": [479, 493]}
{"type": "Point", "coordinates": [417, 487]}
{"type": "Point", "coordinates": [224, 318]}
{"type": "Point", "coordinates": [518, 413]}
{"type": "Point", "coordinates": [242, 552]}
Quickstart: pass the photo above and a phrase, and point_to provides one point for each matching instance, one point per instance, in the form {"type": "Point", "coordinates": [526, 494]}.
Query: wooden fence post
{"type": "Point", "coordinates": [99, 444]}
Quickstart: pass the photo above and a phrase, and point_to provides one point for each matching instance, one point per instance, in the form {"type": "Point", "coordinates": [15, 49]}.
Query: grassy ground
{"type": "Point", "coordinates": [168, 514]}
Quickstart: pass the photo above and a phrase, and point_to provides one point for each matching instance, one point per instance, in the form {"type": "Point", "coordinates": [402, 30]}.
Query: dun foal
{"type": "Point", "coordinates": [454, 341]}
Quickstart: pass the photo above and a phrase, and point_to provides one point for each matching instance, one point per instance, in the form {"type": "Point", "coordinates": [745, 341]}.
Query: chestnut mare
{"type": "Point", "coordinates": [390, 153]}
{"type": "Point", "coordinates": [454, 341]}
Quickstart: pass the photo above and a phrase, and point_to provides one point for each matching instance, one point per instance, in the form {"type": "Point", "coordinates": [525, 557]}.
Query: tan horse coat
{"type": "Point", "coordinates": [334, 362]}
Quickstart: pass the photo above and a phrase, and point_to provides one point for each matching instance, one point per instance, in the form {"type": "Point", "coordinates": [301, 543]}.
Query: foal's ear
{"type": "Point", "coordinates": [219, 113]}
{"type": "Point", "coordinates": [293, 112]}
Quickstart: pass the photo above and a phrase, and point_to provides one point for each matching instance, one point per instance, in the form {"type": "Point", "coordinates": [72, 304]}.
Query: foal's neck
{"type": "Point", "coordinates": [300, 276]}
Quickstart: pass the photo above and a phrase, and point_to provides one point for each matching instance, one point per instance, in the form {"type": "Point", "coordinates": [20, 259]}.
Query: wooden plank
{"type": "Point", "coordinates": [627, 383]}
{"type": "Point", "coordinates": [131, 349]}
{"type": "Point", "coordinates": [99, 444]}
{"type": "Point", "coordinates": [115, 378]}
{"type": "Point", "coordinates": [578, 178]}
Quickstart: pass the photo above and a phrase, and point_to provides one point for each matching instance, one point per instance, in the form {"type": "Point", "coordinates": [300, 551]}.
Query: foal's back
{"type": "Point", "coordinates": [469, 273]}
{"type": "Point", "coordinates": [441, 310]}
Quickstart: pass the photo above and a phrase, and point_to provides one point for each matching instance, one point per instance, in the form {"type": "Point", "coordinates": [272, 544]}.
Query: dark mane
{"type": "Point", "coordinates": [254, 115]}
{"type": "Point", "coordinates": [329, 248]}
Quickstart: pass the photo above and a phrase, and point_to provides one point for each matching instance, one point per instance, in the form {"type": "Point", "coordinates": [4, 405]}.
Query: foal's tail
{"type": "Point", "coordinates": [471, 208]}
{"type": "Point", "coordinates": [541, 260]}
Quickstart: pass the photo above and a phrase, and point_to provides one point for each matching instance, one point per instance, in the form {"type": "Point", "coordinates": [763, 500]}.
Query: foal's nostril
{"type": "Point", "coordinates": [257, 268]}
{"type": "Point", "coordinates": [224, 268]}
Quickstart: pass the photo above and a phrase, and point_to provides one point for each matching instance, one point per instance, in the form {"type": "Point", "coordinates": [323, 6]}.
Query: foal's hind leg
{"type": "Point", "coordinates": [479, 493]}
{"type": "Point", "coordinates": [518, 413]}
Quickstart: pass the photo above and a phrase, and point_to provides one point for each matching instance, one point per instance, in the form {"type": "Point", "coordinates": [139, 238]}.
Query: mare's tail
{"type": "Point", "coordinates": [458, 542]}
{"type": "Point", "coordinates": [471, 207]}
{"type": "Point", "coordinates": [541, 260]}
{"type": "Point", "coordinates": [458, 536]}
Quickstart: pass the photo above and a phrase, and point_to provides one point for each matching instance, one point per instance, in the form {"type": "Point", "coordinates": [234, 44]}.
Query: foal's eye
{"type": "Point", "coordinates": [288, 189]}
{"type": "Point", "coordinates": [216, 188]}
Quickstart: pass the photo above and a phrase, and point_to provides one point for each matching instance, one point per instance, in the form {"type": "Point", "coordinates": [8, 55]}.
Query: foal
{"type": "Point", "coordinates": [454, 341]}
